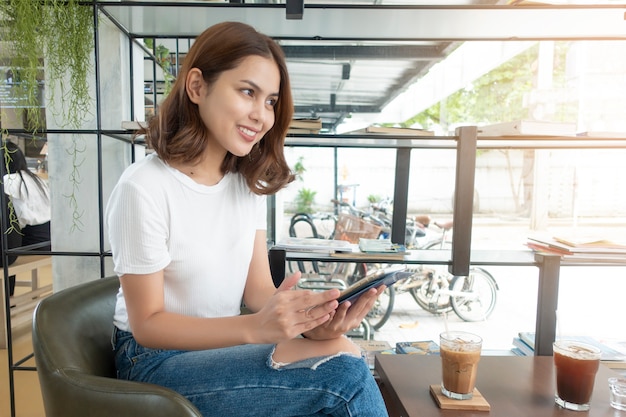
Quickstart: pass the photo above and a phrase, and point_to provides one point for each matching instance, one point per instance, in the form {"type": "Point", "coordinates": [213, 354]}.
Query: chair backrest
{"type": "Point", "coordinates": [74, 327]}
{"type": "Point", "coordinates": [74, 358]}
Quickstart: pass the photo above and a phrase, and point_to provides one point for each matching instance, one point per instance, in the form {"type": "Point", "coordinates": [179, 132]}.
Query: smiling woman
{"type": "Point", "coordinates": [185, 115]}
{"type": "Point", "coordinates": [219, 140]}
{"type": "Point", "coordinates": [239, 108]}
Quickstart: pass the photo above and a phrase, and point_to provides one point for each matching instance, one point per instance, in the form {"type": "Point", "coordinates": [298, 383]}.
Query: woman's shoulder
{"type": "Point", "coordinates": [148, 168]}
{"type": "Point", "coordinates": [12, 184]}
{"type": "Point", "coordinates": [10, 177]}
{"type": "Point", "coordinates": [146, 175]}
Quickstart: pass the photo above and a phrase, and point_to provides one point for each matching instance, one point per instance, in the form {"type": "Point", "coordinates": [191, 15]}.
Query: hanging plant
{"type": "Point", "coordinates": [57, 35]}
{"type": "Point", "coordinates": [162, 59]}
{"type": "Point", "coordinates": [59, 32]}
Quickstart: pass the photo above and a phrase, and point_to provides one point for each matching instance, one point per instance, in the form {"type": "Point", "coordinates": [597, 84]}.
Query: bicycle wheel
{"type": "Point", "coordinates": [481, 289]}
{"type": "Point", "coordinates": [301, 225]}
{"type": "Point", "coordinates": [427, 293]}
{"type": "Point", "coordinates": [434, 279]}
{"type": "Point", "coordinates": [383, 307]}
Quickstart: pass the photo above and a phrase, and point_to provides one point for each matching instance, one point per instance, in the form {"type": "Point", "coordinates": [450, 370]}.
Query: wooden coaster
{"type": "Point", "coordinates": [476, 403]}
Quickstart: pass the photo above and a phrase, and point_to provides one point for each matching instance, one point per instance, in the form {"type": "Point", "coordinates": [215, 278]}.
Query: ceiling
{"type": "Point", "coordinates": [333, 80]}
{"type": "Point", "coordinates": [354, 59]}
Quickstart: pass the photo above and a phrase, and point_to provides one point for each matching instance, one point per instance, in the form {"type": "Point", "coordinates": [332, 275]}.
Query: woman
{"type": "Point", "coordinates": [187, 226]}
{"type": "Point", "coordinates": [30, 197]}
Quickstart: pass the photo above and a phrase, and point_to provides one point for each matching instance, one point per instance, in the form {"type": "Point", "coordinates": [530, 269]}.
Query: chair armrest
{"type": "Point", "coordinates": [74, 394]}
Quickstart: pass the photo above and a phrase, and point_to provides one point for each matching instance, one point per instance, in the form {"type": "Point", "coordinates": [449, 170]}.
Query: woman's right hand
{"type": "Point", "coordinates": [289, 312]}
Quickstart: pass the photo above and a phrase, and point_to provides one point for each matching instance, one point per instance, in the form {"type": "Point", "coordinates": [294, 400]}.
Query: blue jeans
{"type": "Point", "coordinates": [244, 381]}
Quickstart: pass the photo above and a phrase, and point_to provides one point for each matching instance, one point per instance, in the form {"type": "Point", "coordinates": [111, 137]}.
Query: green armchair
{"type": "Point", "coordinates": [74, 359]}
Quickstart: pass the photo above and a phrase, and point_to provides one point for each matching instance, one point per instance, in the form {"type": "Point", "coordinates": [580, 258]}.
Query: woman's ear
{"type": "Point", "coordinates": [194, 84]}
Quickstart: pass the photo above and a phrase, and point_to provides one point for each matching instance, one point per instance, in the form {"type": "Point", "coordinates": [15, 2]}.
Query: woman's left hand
{"type": "Point", "coordinates": [346, 317]}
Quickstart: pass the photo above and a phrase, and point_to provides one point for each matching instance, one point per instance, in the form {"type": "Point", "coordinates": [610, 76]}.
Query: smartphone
{"type": "Point", "coordinates": [385, 276]}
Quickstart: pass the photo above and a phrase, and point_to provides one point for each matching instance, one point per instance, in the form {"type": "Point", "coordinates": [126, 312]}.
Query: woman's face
{"type": "Point", "coordinates": [238, 109]}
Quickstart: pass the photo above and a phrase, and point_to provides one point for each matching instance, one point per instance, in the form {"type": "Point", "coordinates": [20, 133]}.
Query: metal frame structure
{"type": "Point", "coordinates": [413, 37]}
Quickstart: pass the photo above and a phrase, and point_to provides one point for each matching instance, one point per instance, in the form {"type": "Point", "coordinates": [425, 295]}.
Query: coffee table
{"type": "Point", "coordinates": [514, 387]}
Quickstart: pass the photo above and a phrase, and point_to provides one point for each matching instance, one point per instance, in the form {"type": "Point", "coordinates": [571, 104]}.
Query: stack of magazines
{"type": "Point", "coordinates": [310, 244]}
{"type": "Point", "coordinates": [380, 246]}
{"type": "Point", "coordinates": [590, 249]}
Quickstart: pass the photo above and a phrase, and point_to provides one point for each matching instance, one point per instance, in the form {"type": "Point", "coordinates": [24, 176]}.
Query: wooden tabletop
{"type": "Point", "coordinates": [514, 387]}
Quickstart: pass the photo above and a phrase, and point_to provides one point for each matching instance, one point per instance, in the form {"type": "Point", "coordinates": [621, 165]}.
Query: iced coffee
{"type": "Point", "coordinates": [576, 366]}
{"type": "Point", "coordinates": [460, 354]}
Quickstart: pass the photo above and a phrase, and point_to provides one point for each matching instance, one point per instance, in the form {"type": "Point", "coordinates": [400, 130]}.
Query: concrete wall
{"type": "Point", "coordinates": [73, 165]}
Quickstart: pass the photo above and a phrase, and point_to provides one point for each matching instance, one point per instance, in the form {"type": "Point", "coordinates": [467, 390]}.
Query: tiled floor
{"type": "Point", "coordinates": [28, 402]}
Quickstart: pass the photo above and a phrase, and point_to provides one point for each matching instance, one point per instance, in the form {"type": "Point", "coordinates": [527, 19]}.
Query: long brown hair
{"type": "Point", "coordinates": [178, 134]}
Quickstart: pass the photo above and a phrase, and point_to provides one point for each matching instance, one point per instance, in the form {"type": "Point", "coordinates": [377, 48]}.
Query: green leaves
{"type": "Point", "coordinates": [56, 35]}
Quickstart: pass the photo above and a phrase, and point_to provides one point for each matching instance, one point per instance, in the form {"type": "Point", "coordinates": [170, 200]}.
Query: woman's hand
{"type": "Point", "coordinates": [346, 317]}
{"type": "Point", "coordinates": [288, 313]}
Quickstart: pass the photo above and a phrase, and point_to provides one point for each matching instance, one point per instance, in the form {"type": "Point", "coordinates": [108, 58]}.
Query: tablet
{"type": "Point", "coordinates": [385, 276]}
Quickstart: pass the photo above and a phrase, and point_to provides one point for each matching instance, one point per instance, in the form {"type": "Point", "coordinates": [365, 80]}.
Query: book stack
{"type": "Point", "coordinates": [394, 131]}
{"type": "Point", "coordinates": [312, 244]}
{"type": "Point", "coordinates": [528, 128]}
{"type": "Point", "coordinates": [602, 134]}
{"type": "Point", "coordinates": [423, 347]}
{"type": "Point", "coordinates": [375, 249]}
{"type": "Point", "coordinates": [305, 126]}
{"type": "Point", "coordinates": [380, 246]}
{"type": "Point", "coordinates": [580, 249]}
{"type": "Point", "coordinates": [524, 347]}
{"type": "Point", "coordinates": [369, 349]}
{"type": "Point", "coordinates": [613, 355]}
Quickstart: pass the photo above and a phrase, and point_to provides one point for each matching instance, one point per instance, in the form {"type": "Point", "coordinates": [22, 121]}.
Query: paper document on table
{"type": "Point", "coordinates": [380, 246]}
{"type": "Point", "coordinates": [556, 245]}
{"type": "Point", "coordinates": [590, 242]}
{"type": "Point", "coordinates": [315, 245]}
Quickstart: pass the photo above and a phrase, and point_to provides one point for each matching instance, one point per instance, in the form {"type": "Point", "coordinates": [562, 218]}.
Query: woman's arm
{"type": "Point", "coordinates": [153, 327]}
{"type": "Point", "coordinates": [279, 314]}
{"type": "Point", "coordinates": [12, 184]}
{"type": "Point", "coordinates": [259, 285]}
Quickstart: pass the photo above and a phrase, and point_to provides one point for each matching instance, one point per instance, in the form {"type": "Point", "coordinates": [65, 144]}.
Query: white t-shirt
{"type": "Point", "coordinates": [201, 236]}
{"type": "Point", "coordinates": [32, 207]}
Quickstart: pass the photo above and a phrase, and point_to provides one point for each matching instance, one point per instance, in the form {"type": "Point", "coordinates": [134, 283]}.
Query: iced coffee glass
{"type": "Point", "coordinates": [460, 353]}
{"type": "Point", "coordinates": [576, 366]}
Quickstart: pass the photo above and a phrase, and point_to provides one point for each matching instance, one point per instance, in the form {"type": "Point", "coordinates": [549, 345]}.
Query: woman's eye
{"type": "Point", "coordinates": [248, 92]}
{"type": "Point", "coordinates": [272, 102]}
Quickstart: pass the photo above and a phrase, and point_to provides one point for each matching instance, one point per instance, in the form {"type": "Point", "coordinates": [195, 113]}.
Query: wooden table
{"type": "Point", "coordinates": [514, 387]}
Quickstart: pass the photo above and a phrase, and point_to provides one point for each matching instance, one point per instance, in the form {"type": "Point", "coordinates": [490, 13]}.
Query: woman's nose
{"type": "Point", "coordinates": [259, 112]}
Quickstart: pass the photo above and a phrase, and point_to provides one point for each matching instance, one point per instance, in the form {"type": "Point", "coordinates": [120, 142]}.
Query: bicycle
{"type": "Point", "coordinates": [472, 297]}
{"type": "Point", "coordinates": [349, 224]}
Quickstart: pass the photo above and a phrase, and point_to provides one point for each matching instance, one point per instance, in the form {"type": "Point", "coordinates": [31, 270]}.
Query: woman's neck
{"type": "Point", "coordinates": [207, 171]}
{"type": "Point", "coordinates": [201, 175]}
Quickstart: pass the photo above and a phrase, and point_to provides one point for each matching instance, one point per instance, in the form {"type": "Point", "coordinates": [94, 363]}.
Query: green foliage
{"type": "Point", "coordinates": [57, 35]}
{"type": "Point", "coordinates": [305, 200]}
{"type": "Point", "coordinates": [162, 59]}
{"type": "Point", "coordinates": [13, 225]}
{"type": "Point", "coordinates": [497, 96]}
{"type": "Point", "coordinates": [500, 96]}
{"type": "Point", "coordinates": [306, 197]}
{"type": "Point", "coordinates": [299, 169]}
{"type": "Point", "coordinates": [75, 153]}
{"type": "Point", "coordinates": [374, 198]}
{"type": "Point", "coordinates": [61, 33]}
